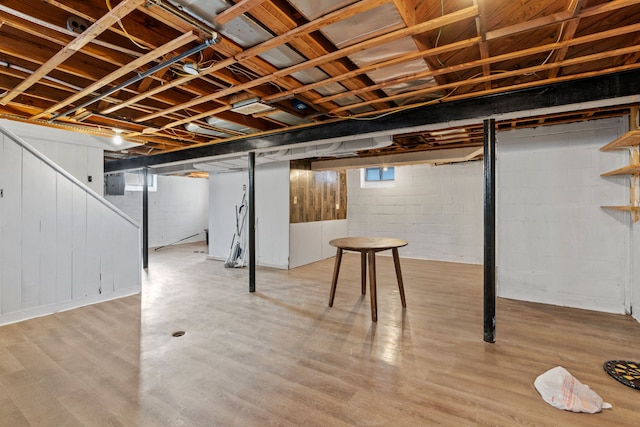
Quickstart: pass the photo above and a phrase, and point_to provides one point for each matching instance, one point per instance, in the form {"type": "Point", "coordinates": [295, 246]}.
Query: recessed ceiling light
{"type": "Point", "coordinates": [298, 105]}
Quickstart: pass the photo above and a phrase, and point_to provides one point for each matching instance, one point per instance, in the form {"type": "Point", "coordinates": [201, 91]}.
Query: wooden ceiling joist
{"type": "Point", "coordinates": [574, 61]}
{"type": "Point", "coordinates": [500, 58]}
{"type": "Point", "coordinates": [22, 20]}
{"type": "Point", "coordinates": [365, 60]}
{"type": "Point", "coordinates": [121, 10]}
{"type": "Point", "coordinates": [121, 72]}
{"type": "Point", "coordinates": [466, 13]}
{"type": "Point", "coordinates": [236, 10]}
{"type": "Point", "coordinates": [251, 53]}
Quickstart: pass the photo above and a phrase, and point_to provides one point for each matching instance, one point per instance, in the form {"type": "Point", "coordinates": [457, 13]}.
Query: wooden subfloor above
{"type": "Point", "coordinates": [282, 357]}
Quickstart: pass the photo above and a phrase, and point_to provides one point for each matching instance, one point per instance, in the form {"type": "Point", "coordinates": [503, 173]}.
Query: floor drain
{"type": "Point", "coordinates": [178, 333]}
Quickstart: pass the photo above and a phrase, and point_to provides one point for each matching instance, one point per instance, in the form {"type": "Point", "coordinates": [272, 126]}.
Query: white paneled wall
{"type": "Point", "coordinates": [11, 223]}
{"type": "Point", "coordinates": [272, 213]}
{"type": "Point", "coordinates": [555, 244]}
{"type": "Point", "coordinates": [225, 194]}
{"type": "Point", "coordinates": [61, 244]}
{"type": "Point", "coordinates": [438, 210]}
{"type": "Point", "coordinates": [309, 241]}
{"type": "Point", "coordinates": [81, 155]}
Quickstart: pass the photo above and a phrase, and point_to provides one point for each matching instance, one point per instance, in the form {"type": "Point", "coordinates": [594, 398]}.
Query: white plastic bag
{"type": "Point", "coordinates": [562, 390]}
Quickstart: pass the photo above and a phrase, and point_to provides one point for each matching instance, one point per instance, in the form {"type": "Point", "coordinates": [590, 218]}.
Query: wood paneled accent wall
{"type": "Point", "coordinates": [316, 196]}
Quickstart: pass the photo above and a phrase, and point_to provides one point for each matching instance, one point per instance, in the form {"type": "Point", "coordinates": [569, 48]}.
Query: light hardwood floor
{"type": "Point", "coordinates": [282, 357]}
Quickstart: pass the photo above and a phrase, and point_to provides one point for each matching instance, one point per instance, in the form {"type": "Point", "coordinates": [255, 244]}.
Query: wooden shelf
{"type": "Point", "coordinates": [623, 208]}
{"type": "Point", "coordinates": [635, 210]}
{"type": "Point", "coordinates": [629, 139]}
{"type": "Point", "coordinates": [626, 170]}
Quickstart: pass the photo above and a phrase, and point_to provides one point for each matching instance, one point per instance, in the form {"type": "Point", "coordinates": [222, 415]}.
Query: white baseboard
{"type": "Point", "coordinates": [45, 310]}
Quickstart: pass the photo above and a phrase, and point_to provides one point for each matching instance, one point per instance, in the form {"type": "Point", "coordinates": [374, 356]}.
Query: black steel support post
{"type": "Point", "coordinates": [489, 230]}
{"type": "Point", "coordinates": [145, 219]}
{"type": "Point", "coordinates": [252, 223]}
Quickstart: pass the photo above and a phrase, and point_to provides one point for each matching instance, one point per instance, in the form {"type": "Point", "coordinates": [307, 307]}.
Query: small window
{"type": "Point", "coordinates": [380, 174]}
{"type": "Point", "coordinates": [135, 182]}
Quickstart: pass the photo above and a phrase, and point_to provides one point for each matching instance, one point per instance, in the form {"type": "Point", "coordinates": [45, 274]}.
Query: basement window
{"type": "Point", "coordinates": [379, 174]}
{"type": "Point", "coordinates": [381, 177]}
{"type": "Point", "coordinates": [135, 182]}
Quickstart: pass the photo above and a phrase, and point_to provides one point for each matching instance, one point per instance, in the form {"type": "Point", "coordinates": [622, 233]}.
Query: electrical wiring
{"type": "Point", "coordinates": [398, 109]}
{"type": "Point", "coordinates": [412, 106]}
{"type": "Point", "coordinates": [125, 31]}
{"type": "Point", "coordinates": [571, 7]}
{"type": "Point", "coordinates": [181, 133]}
{"type": "Point", "coordinates": [439, 34]}
{"type": "Point", "coordinates": [550, 53]}
{"type": "Point", "coordinates": [442, 64]}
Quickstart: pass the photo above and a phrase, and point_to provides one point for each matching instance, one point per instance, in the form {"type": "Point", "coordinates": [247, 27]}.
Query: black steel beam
{"type": "Point", "coordinates": [252, 223]}
{"type": "Point", "coordinates": [145, 220]}
{"type": "Point", "coordinates": [489, 231]}
{"type": "Point", "coordinates": [572, 92]}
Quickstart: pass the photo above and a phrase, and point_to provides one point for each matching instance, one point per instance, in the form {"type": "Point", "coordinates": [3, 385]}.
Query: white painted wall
{"type": "Point", "coordinates": [178, 209]}
{"type": "Point", "coordinates": [309, 241]}
{"type": "Point", "coordinates": [225, 193]}
{"type": "Point", "coordinates": [555, 244]}
{"type": "Point", "coordinates": [79, 154]}
{"type": "Point", "coordinates": [80, 161]}
{"type": "Point", "coordinates": [61, 245]}
{"type": "Point", "coordinates": [272, 213]}
{"type": "Point", "coordinates": [438, 210]}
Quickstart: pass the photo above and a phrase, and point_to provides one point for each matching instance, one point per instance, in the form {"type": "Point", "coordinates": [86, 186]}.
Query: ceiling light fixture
{"type": "Point", "coordinates": [298, 105]}
{"type": "Point", "coordinates": [250, 106]}
{"type": "Point", "coordinates": [117, 139]}
{"type": "Point", "coordinates": [191, 68]}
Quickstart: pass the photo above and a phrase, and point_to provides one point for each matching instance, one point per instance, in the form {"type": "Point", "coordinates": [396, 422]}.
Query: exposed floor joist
{"type": "Point", "coordinates": [307, 63]}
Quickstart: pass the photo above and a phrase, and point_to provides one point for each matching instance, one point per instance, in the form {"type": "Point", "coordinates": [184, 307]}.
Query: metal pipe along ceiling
{"type": "Point", "coordinates": [28, 71]}
{"type": "Point", "coordinates": [140, 76]}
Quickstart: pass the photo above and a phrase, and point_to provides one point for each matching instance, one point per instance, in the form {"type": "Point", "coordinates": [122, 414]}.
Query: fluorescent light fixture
{"type": "Point", "coordinates": [250, 106]}
{"type": "Point", "coordinates": [450, 134]}
{"type": "Point", "coordinates": [191, 127]}
{"type": "Point", "coordinates": [191, 68]}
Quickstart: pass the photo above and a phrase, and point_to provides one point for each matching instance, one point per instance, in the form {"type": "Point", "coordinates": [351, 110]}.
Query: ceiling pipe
{"type": "Point", "coordinates": [140, 76]}
{"type": "Point", "coordinates": [28, 71]}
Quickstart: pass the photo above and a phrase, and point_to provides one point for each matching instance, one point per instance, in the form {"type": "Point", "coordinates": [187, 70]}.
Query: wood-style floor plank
{"type": "Point", "coordinates": [282, 357]}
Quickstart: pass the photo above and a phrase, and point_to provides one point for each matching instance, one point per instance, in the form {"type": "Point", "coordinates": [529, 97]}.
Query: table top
{"type": "Point", "coordinates": [365, 243]}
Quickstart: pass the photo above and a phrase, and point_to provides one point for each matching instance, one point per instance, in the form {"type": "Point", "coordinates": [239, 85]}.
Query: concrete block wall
{"type": "Point", "coordinates": [437, 209]}
{"type": "Point", "coordinates": [555, 244]}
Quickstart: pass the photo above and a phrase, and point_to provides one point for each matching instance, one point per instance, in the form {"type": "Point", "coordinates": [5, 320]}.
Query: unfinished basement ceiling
{"type": "Point", "coordinates": [171, 74]}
